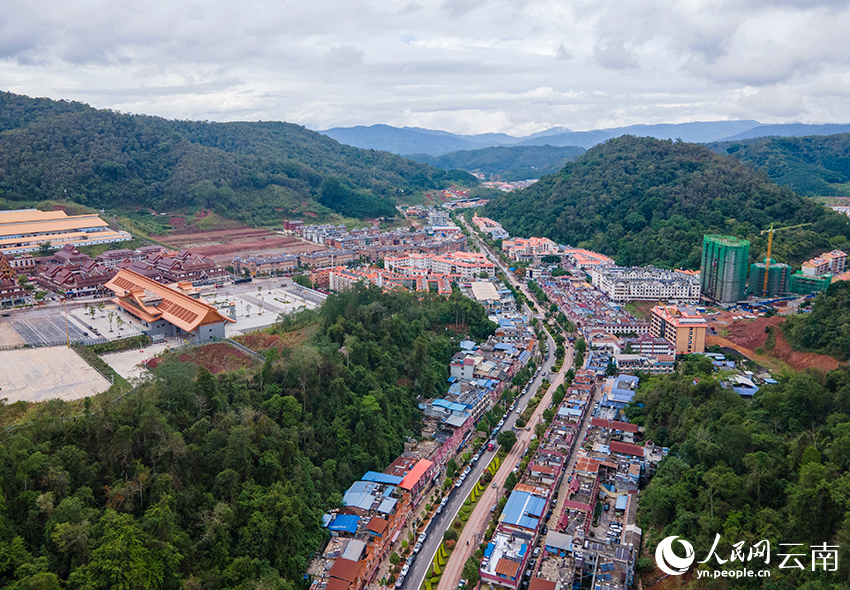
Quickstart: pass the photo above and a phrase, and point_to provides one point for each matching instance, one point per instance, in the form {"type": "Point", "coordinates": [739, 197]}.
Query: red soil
{"type": "Point", "coordinates": [177, 222]}
{"type": "Point", "coordinates": [217, 358]}
{"type": "Point", "coordinates": [750, 334]}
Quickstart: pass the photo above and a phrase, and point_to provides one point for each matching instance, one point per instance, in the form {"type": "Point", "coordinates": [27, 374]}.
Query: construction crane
{"type": "Point", "coordinates": [770, 231]}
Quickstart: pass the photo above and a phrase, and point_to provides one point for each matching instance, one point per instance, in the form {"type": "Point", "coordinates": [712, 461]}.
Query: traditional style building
{"type": "Point", "coordinates": [168, 310]}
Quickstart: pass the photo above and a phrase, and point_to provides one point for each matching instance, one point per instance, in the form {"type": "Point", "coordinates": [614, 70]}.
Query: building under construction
{"type": "Point", "coordinates": [777, 279]}
{"type": "Point", "coordinates": [723, 273]}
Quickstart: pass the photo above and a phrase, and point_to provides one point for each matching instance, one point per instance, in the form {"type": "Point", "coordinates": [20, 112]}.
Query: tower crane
{"type": "Point", "coordinates": [770, 231]}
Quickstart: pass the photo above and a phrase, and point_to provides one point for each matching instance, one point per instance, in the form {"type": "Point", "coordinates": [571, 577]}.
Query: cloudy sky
{"type": "Point", "coordinates": [467, 66]}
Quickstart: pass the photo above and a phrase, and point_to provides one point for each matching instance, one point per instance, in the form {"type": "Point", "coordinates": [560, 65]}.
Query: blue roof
{"type": "Point", "coordinates": [344, 522]}
{"type": "Point", "coordinates": [467, 344]}
{"type": "Point", "coordinates": [454, 389]}
{"type": "Point", "coordinates": [622, 502]}
{"type": "Point", "coordinates": [381, 478]}
{"type": "Point", "coordinates": [523, 509]}
{"type": "Point", "coordinates": [489, 550]}
{"type": "Point", "coordinates": [450, 406]}
{"type": "Point", "coordinates": [524, 356]}
{"type": "Point", "coordinates": [387, 505]}
{"type": "Point", "coordinates": [506, 323]}
{"type": "Point", "coordinates": [451, 379]}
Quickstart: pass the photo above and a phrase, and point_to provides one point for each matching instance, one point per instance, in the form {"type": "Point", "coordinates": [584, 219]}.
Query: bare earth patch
{"type": "Point", "coordinates": [750, 335]}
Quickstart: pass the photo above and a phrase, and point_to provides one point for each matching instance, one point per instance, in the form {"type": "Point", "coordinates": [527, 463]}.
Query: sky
{"type": "Point", "coordinates": [465, 66]}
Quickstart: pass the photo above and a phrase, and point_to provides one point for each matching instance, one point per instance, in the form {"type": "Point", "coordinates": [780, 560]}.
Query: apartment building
{"type": "Point", "coordinates": [683, 329]}
{"type": "Point", "coordinates": [624, 284]}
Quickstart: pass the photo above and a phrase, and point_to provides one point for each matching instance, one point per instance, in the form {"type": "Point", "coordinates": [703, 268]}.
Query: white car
{"type": "Point", "coordinates": [405, 569]}
{"type": "Point", "coordinates": [422, 537]}
{"type": "Point", "coordinates": [467, 470]}
{"type": "Point", "coordinates": [417, 548]}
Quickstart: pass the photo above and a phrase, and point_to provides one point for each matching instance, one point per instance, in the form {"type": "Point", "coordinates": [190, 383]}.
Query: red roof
{"type": "Point", "coordinates": [377, 525]}
{"type": "Point", "coordinates": [614, 425]}
{"type": "Point", "coordinates": [337, 584]}
{"type": "Point", "coordinates": [626, 448]}
{"type": "Point", "coordinates": [507, 567]}
{"type": "Point", "coordinates": [345, 569]}
{"type": "Point", "coordinates": [541, 584]}
{"type": "Point", "coordinates": [414, 475]}
{"type": "Point", "coordinates": [542, 469]}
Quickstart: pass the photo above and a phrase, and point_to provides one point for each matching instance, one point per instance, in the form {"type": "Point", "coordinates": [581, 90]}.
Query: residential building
{"type": "Point", "coordinates": [804, 284]}
{"type": "Point", "coordinates": [266, 265]}
{"type": "Point", "coordinates": [683, 329]}
{"type": "Point", "coordinates": [11, 293]}
{"type": "Point", "coordinates": [777, 279]}
{"type": "Point", "coordinates": [645, 284]}
{"type": "Point", "coordinates": [723, 272]}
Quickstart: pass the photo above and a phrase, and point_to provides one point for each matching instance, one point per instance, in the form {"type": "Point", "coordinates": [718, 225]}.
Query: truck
{"type": "Point", "coordinates": [491, 445]}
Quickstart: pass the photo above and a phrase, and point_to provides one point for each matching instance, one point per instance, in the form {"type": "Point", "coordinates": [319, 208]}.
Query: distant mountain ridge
{"type": "Point", "coordinates": [255, 172]}
{"type": "Point", "coordinates": [414, 140]}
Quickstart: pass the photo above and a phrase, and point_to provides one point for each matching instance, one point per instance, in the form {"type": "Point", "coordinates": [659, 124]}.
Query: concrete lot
{"type": "Point", "coordinates": [127, 363]}
{"type": "Point", "coordinates": [39, 374]}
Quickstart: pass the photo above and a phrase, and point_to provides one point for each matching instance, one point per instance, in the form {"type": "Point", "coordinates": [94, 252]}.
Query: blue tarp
{"type": "Point", "coordinates": [489, 550]}
{"type": "Point", "coordinates": [344, 522]}
{"type": "Point", "coordinates": [381, 478]}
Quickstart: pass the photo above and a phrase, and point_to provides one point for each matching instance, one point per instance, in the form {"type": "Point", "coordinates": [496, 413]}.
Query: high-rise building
{"type": "Point", "coordinates": [802, 284]}
{"type": "Point", "coordinates": [723, 275]}
{"type": "Point", "coordinates": [777, 279]}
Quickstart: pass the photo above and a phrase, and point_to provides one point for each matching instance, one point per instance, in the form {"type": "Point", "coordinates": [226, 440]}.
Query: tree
{"type": "Point", "coordinates": [451, 468]}
{"type": "Point", "coordinates": [44, 249]}
{"type": "Point", "coordinates": [506, 439]}
{"type": "Point", "coordinates": [470, 571]}
{"type": "Point", "coordinates": [120, 321]}
{"type": "Point", "coordinates": [110, 316]}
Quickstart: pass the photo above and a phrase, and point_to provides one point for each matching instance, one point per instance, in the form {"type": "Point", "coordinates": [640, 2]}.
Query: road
{"type": "Point", "coordinates": [476, 526]}
{"type": "Point", "coordinates": [440, 523]}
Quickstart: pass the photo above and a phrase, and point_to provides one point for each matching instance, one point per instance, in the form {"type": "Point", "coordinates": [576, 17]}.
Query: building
{"type": "Point", "coordinates": [645, 284]}
{"type": "Point", "coordinates": [829, 262]}
{"type": "Point", "coordinates": [802, 284]}
{"type": "Point", "coordinates": [11, 293]}
{"type": "Point", "coordinates": [527, 249]}
{"type": "Point", "coordinates": [777, 279]}
{"type": "Point", "coordinates": [168, 310]}
{"type": "Point", "coordinates": [684, 330]}
{"type": "Point", "coordinates": [266, 265]}
{"type": "Point", "coordinates": [26, 230]}
{"type": "Point", "coordinates": [723, 271]}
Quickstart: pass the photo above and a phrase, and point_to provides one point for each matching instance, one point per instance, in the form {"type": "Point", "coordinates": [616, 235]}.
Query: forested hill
{"type": "Point", "coordinates": [649, 201]}
{"type": "Point", "coordinates": [256, 172]}
{"type": "Point", "coordinates": [815, 165]}
{"type": "Point", "coordinates": [510, 163]}
{"type": "Point", "coordinates": [204, 481]}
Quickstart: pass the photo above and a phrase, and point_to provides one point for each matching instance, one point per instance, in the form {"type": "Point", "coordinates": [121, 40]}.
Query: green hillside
{"type": "Point", "coordinates": [649, 201]}
{"type": "Point", "coordinates": [815, 166]}
{"type": "Point", "coordinates": [509, 163]}
{"type": "Point", "coordinates": [220, 481]}
{"type": "Point", "coordinates": [253, 172]}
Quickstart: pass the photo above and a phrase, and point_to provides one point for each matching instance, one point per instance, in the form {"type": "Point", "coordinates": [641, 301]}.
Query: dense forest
{"type": "Point", "coordinates": [816, 165]}
{"type": "Point", "coordinates": [508, 163]}
{"type": "Point", "coordinates": [252, 172]}
{"type": "Point", "coordinates": [649, 201]}
{"type": "Point", "coordinates": [203, 481]}
{"type": "Point", "coordinates": [776, 468]}
{"type": "Point", "coordinates": [826, 329]}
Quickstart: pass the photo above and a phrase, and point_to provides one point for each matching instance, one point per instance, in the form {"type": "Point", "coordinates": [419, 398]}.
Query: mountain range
{"type": "Point", "coordinates": [415, 140]}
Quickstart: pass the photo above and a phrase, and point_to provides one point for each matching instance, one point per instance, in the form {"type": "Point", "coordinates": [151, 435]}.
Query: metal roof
{"type": "Point", "coordinates": [524, 510]}
{"type": "Point", "coordinates": [381, 478]}
{"type": "Point", "coordinates": [344, 522]}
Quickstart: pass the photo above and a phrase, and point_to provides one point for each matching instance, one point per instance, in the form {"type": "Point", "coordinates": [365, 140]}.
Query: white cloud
{"type": "Point", "coordinates": [463, 65]}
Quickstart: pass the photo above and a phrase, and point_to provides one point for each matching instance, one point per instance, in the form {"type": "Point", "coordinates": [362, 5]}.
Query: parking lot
{"type": "Point", "coordinates": [39, 374]}
{"type": "Point", "coordinates": [40, 331]}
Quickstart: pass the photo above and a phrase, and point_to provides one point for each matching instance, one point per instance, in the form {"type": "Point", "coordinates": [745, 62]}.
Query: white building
{"type": "Point", "coordinates": [646, 284]}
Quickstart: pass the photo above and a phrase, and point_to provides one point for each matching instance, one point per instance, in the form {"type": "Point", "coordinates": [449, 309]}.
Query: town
{"type": "Point", "coordinates": [528, 467]}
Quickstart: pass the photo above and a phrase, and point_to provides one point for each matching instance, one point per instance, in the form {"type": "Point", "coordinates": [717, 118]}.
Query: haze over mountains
{"type": "Point", "coordinates": [415, 140]}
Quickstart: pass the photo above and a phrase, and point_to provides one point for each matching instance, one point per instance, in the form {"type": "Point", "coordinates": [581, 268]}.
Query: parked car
{"type": "Point", "coordinates": [405, 568]}
{"type": "Point", "coordinates": [417, 548]}
{"type": "Point", "coordinates": [536, 551]}
{"type": "Point", "coordinates": [493, 508]}
{"type": "Point", "coordinates": [422, 537]}
{"type": "Point", "coordinates": [399, 582]}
